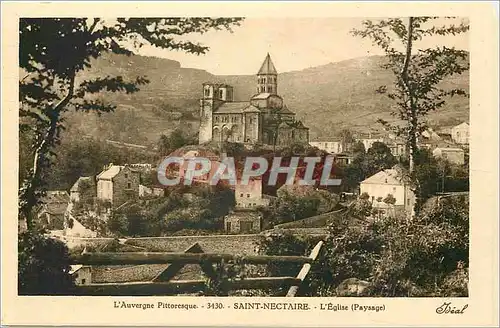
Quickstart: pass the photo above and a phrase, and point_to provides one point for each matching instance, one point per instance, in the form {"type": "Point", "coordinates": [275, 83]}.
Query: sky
{"type": "Point", "coordinates": [293, 43]}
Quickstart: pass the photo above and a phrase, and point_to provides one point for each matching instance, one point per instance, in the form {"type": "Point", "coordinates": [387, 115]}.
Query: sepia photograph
{"type": "Point", "coordinates": [174, 164]}
{"type": "Point", "coordinates": [154, 161]}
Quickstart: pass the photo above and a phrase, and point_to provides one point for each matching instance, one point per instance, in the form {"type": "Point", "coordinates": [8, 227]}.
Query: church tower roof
{"type": "Point", "coordinates": [267, 67]}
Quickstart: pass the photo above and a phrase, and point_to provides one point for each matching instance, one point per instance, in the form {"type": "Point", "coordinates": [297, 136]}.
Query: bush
{"type": "Point", "coordinates": [43, 265]}
{"type": "Point", "coordinates": [428, 256]}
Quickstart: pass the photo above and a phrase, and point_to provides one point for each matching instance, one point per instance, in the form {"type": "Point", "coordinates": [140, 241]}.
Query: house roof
{"type": "Point", "coordinates": [267, 67]}
{"type": "Point", "coordinates": [76, 185]}
{"type": "Point", "coordinates": [431, 134]}
{"type": "Point", "coordinates": [232, 107]}
{"type": "Point", "coordinates": [463, 124]}
{"type": "Point", "coordinates": [110, 172]}
{"type": "Point", "coordinates": [386, 177]}
{"type": "Point", "coordinates": [323, 140]}
{"type": "Point", "coordinates": [450, 149]}
{"type": "Point", "coordinates": [74, 268]}
{"type": "Point", "coordinates": [55, 203]}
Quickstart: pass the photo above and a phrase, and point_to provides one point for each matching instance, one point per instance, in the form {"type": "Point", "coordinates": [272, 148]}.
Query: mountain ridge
{"type": "Point", "coordinates": [327, 98]}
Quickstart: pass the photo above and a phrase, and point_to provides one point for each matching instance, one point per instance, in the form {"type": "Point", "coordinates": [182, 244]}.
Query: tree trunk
{"type": "Point", "coordinates": [413, 120]}
{"type": "Point", "coordinates": [412, 111]}
{"type": "Point", "coordinates": [28, 196]}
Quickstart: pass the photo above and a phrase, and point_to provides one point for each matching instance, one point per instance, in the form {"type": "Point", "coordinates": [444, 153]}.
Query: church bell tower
{"type": "Point", "coordinates": [267, 77]}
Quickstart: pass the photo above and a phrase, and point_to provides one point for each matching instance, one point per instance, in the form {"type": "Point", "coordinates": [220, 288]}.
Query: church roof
{"type": "Point", "coordinates": [267, 67]}
{"type": "Point", "coordinates": [264, 95]}
{"type": "Point", "coordinates": [232, 107]}
{"type": "Point", "coordinates": [285, 110]}
{"type": "Point", "coordinates": [251, 108]}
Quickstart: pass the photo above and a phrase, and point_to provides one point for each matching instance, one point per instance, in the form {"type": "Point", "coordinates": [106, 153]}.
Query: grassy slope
{"type": "Point", "coordinates": [327, 98]}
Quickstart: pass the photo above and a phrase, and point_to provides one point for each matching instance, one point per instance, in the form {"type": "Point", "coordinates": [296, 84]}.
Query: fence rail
{"type": "Point", "coordinates": [185, 258]}
{"type": "Point", "coordinates": [163, 284]}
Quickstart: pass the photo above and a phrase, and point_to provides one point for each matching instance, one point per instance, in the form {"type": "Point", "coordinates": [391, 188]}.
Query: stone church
{"type": "Point", "coordinates": [264, 119]}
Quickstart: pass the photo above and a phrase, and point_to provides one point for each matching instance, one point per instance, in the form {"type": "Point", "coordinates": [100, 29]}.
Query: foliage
{"type": "Point", "coordinates": [366, 163]}
{"type": "Point", "coordinates": [299, 203]}
{"type": "Point", "coordinates": [233, 148]}
{"type": "Point", "coordinates": [225, 272]}
{"type": "Point", "coordinates": [389, 199]}
{"type": "Point", "coordinates": [53, 51]}
{"type": "Point", "coordinates": [202, 212]}
{"type": "Point", "coordinates": [77, 157]}
{"type": "Point", "coordinates": [428, 256]}
{"type": "Point", "coordinates": [358, 149]}
{"type": "Point", "coordinates": [43, 265]}
{"type": "Point", "coordinates": [438, 175]}
{"type": "Point", "coordinates": [118, 224]}
{"type": "Point", "coordinates": [378, 157]}
{"type": "Point", "coordinates": [418, 72]}
{"type": "Point", "coordinates": [177, 139]}
{"type": "Point", "coordinates": [285, 243]}
{"type": "Point", "coordinates": [347, 139]}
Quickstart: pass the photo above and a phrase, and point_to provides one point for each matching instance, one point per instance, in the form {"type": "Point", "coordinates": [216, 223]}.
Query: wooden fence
{"type": "Point", "coordinates": [163, 284]}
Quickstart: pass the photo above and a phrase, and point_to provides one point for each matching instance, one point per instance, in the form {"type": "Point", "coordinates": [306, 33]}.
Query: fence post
{"type": "Point", "coordinates": [305, 270]}
{"type": "Point", "coordinates": [173, 268]}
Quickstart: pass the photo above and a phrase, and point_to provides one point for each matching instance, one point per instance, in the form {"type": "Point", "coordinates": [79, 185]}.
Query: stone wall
{"type": "Point", "coordinates": [232, 244]}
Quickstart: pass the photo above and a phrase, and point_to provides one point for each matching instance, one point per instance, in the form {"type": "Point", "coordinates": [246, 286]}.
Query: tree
{"type": "Point", "coordinates": [175, 140]}
{"type": "Point", "coordinates": [390, 200]}
{"type": "Point", "coordinates": [53, 53]}
{"type": "Point", "coordinates": [428, 256]}
{"type": "Point", "coordinates": [418, 72]}
{"type": "Point", "coordinates": [358, 149]}
{"type": "Point", "coordinates": [43, 265]}
{"type": "Point", "coordinates": [118, 224]}
{"type": "Point", "coordinates": [377, 158]}
{"type": "Point", "coordinates": [346, 138]}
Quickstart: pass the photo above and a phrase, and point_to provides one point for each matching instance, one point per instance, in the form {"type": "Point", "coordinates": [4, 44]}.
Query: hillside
{"type": "Point", "coordinates": [327, 98]}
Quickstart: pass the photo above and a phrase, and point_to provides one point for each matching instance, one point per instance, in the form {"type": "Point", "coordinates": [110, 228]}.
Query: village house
{"type": "Point", "coordinates": [250, 195]}
{"type": "Point", "coordinates": [389, 182]}
{"type": "Point", "coordinates": [117, 184]}
{"type": "Point", "coordinates": [332, 147]}
{"type": "Point", "coordinates": [51, 213]}
{"type": "Point", "coordinates": [460, 133]}
{"type": "Point", "coordinates": [368, 142]}
{"type": "Point", "coordinates": [343, 158]}
{"type": "Point", "coordinates": [245, 218]}
{"type": "Point", "coordinates": [398, 147]}
{"type": "Point", "coordinates": [82, 274]}
{"type": "Point", "coordinates": [253, 121]}
{"type": "Point", "coordinates": [445, 134]}
{"type": "Point", "coordinates": [150, 191]}
{"type": "Point", "coordinates": [453, 155]}
{"type": "Point", "coordinates": [243, 221]}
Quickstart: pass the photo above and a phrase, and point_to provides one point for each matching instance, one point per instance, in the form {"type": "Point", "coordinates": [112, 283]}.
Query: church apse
{"type": "Point", "coordinates": [224, 119]}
